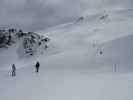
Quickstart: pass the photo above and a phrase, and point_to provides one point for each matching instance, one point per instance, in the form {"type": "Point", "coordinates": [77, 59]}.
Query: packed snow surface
{"type": "Point", "coordinates": [73, 67]}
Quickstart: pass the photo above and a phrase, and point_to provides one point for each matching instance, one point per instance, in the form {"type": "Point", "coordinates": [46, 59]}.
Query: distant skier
{"type": "Point", "coordinates": [37, 66]}
{"type": "Point", "coordinates": [101, 52]}
{"type": "Point", "coordinates": [13, 70]}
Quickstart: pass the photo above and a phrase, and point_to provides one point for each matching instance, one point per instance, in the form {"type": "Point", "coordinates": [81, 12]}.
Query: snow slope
{"type": "Point", "coordinates": [72, 68]}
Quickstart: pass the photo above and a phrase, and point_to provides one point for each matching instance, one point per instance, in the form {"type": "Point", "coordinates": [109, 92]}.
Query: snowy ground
{"type": "Point", "coordinates": [72, 68]}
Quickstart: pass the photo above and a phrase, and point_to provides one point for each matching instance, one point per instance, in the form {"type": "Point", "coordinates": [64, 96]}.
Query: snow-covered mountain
{"type": "Point", "coordinates": [90, 58]}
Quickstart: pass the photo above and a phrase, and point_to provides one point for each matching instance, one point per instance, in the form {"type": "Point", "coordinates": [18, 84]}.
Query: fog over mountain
{"type": "Point", "coordinates": [66, 50]}
{"type": "Point", "coordinates": [40, 14]}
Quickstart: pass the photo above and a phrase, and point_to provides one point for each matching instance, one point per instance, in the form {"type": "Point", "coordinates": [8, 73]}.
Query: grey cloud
{"type": "Point", "coordinates": [32, 15]}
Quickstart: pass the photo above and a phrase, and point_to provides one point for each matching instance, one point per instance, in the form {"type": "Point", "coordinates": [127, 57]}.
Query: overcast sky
{"type": "Point", "coordinates": [33, 15]}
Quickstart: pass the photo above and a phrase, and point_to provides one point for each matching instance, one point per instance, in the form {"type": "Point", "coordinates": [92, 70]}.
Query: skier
{"type": "Point", "coordinates": [13, 70]}
{"type": "Point", "coordinates": [101, 52]}
{"type": "Point", "coordinates": [37, 66]}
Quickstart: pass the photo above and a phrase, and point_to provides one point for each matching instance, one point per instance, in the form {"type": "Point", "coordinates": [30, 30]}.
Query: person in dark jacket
{"type": "Point", "coordinates": [101, 52]}
{"type": "Point", "coordinates": [37, 66]}
{"type": "Point", "coordinates": [13, 70]}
